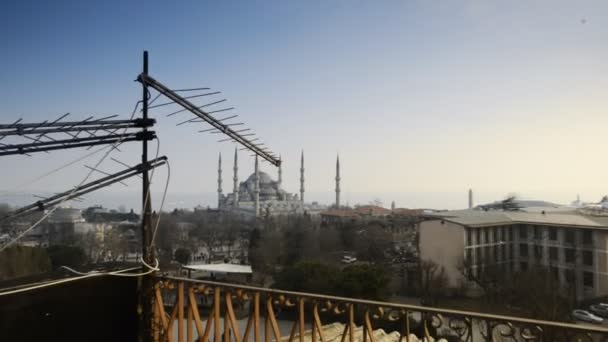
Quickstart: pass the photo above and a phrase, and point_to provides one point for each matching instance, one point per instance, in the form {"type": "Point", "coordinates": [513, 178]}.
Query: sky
{"type": "Point", "coordinates": [422, 100]}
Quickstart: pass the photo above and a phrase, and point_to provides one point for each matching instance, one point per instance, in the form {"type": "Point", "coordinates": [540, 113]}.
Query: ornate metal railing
{"type": "Point", "coordinates": [192, 310]}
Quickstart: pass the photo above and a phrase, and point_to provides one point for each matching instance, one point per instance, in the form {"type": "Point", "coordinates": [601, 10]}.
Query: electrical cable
{"type": "Point", "coordinates": [162, 203]}
{"type": "Point", "coordinates": [121, 273]}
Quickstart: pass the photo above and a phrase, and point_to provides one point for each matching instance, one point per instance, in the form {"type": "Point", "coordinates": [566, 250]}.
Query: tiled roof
{"type": "Point", "coordinates": [339, 213]}
{"type": "Point", "coordinates": [373, 210]}
{"type": "Point", "coordinates": [407, 212]}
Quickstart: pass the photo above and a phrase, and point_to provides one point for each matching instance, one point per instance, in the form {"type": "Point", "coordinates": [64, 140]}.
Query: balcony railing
{"type": "Point", "coordinates": [193, 310]}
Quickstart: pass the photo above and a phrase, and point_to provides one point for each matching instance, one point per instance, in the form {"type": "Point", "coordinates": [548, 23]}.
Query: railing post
{"type": "Point", "coordinates": [226, 319]}
{"type": "Point", "coordinates": [351, 321]}
{"type": "Point", "coordinates": [180, 311]}
{"type": "Point", "coordinates": [216, 313]}
{"type": "Point", "coordinates": [189, 319]}
{"type": "Point", "coordinates": [301, 318]}
{"type": "Point", "coordinates": [256, 316]}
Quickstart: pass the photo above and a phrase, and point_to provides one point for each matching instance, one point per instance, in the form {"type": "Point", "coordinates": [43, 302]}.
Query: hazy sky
{"type": "Point", "coordinates": [417, 97]}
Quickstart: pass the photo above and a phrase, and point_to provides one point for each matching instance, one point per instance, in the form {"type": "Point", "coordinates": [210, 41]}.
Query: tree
{"type": "Point", "coordinates": [433, 282]}
{"type": "Point", "coordinates": [308, 277]}
{"type": "Point", "coordinates": [70, 256]}
{"type": "Point", "coordinates": [166, 237]}
{"type": "Point", "coordinates": [358, 281]}
{"type": "Point", "coordinates": [376, 202]}
{"type": "Point", "coordinates": [535, 290]}
{"type": "Point", "coordinates": [363, 281]}
{"type": "Point", "coordinates": [88, 242]}
{"type": "Point", "coordinates": [265, 249]}
{"type": "Point", "coordinates": [182, 256]}
{"type": "Point", "coordinates": [372, 242]}
{"type": "Point", "coordinates": [115, 244]}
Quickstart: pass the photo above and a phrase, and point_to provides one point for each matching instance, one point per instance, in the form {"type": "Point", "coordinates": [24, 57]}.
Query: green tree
{"type": "Point", "coordinates": [308, 277]}
{"type": "Point", "coordinates": [363, 281]}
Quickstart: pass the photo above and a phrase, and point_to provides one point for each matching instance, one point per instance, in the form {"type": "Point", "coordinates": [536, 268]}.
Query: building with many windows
{"type": "Point", "coordinates": [572, 243]}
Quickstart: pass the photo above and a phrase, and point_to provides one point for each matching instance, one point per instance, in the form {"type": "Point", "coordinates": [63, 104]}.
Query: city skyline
{"type": "Point", "coordinates": [500, 98]}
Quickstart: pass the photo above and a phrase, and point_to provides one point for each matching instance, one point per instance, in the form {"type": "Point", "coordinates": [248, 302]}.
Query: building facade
{"type": "Point", "coordinates": [571, 243]}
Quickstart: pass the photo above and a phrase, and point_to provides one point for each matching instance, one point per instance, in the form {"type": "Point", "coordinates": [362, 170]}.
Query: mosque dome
{"type": "Point", "coordinates": [264, 178]}
{"type": "Point", "coordinates": [269, 188]}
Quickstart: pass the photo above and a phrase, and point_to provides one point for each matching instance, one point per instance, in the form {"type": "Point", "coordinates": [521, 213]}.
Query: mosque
{"type": "Point", "coordinates": [260, 195]}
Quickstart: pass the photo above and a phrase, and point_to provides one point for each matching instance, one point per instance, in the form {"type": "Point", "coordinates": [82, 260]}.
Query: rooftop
{"type": "Point", "coordinates": [557, 216]}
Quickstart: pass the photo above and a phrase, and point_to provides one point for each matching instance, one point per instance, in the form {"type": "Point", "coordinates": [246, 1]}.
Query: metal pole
{"type": "Point", "coordinates": [145, 333]}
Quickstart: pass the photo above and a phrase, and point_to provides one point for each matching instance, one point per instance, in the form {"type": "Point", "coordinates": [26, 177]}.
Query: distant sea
{"type": "Point", "coordinates": [427, 200]}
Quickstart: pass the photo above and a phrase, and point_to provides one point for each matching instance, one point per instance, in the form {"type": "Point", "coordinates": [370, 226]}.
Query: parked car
{"type": "Point", "coordinates": [586, 316]}
{"type": "Point", "coordinates": [599, 310]}
{"type": "Point", "coordinates": [348, 260]}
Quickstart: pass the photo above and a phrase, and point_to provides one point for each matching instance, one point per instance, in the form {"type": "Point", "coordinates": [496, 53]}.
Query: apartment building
{"type": "Point", "coordinates": [571, 243]}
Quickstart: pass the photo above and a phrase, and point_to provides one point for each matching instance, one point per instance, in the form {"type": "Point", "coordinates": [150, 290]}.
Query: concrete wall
{"type": "Point", "coordinates": [443, 243]}
{"type": "Point", "coordinates": [601, 256]}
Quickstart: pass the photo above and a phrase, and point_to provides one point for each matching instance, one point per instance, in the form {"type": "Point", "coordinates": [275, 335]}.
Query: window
{"type": "Point", "coordinates": [503, 252]}
{"type": "Point", "coordinates": [553, 253]}
{"type": "Point", "coordinates": [523, 250]}
{"type": "Point", "coordinates": [569, 276]}
{"type": "Point", "coordinates": [588, 258]}
{"type": "Point", "coordinates": [569, 255]}
{"type": "Point", "coordinates": [467, 232]}
{"type": "Point", "coordinates": [569, 236]}
{"type": "Point", "coordinates": [523, 266]}
{"type": "Point", "coordinates": [587, 236]}
{"type": "Point", "coordinates": [510, 231]}
{"type": "Point", "coordinates": [484, 236]}
{"type": "Point", "coordinates": [523, 232]}
{"type": "Point", "coordinates": [510, 251]}
{"type": "Point", "coordinates": [538, 232]}
{"type": "Point", "coordinates": [501, 234]}
{"type": "Point", "coordinates": [588, 279]}
{"type": "Point", "coordinates": [553, 234]}
{"type": "Point", "coordinates": [538, 251]}
{"type": "Point", "coordinates": [478, 236]}
{"type": "Point", "coordinates": [555, 273]}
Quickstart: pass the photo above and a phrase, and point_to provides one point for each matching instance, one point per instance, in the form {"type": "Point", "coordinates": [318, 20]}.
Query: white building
{"type": "Point", "coordinates": [572, 243]}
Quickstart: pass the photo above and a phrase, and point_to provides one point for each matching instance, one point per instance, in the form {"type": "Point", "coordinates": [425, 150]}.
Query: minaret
{"type": "Point", "coordinates": [302, 177]}
{"type": "Point", "coordinates": [280, 172]}
{"type": "Point", "coordinates": [235, 179]}
{"type": "Point", "coordinates": [280, 181]}
{"type": "Point", "coordinates": [338, 182]}
{"type": "Point", "coordinates": [470, 198]}
{"type": "Point", "coordinates": [393, 206]}
{"type": "Point", "coordinates": [256, 188]}
{"type": "Point", "coordinates": [219, 181]}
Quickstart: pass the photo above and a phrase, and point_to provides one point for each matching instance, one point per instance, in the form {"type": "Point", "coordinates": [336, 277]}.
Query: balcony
{"type": "Point", "coordinates": [192, 310]}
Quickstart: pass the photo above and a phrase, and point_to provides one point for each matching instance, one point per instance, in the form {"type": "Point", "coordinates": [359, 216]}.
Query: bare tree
{"type": "Point", "coordinates": [433, 282]}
